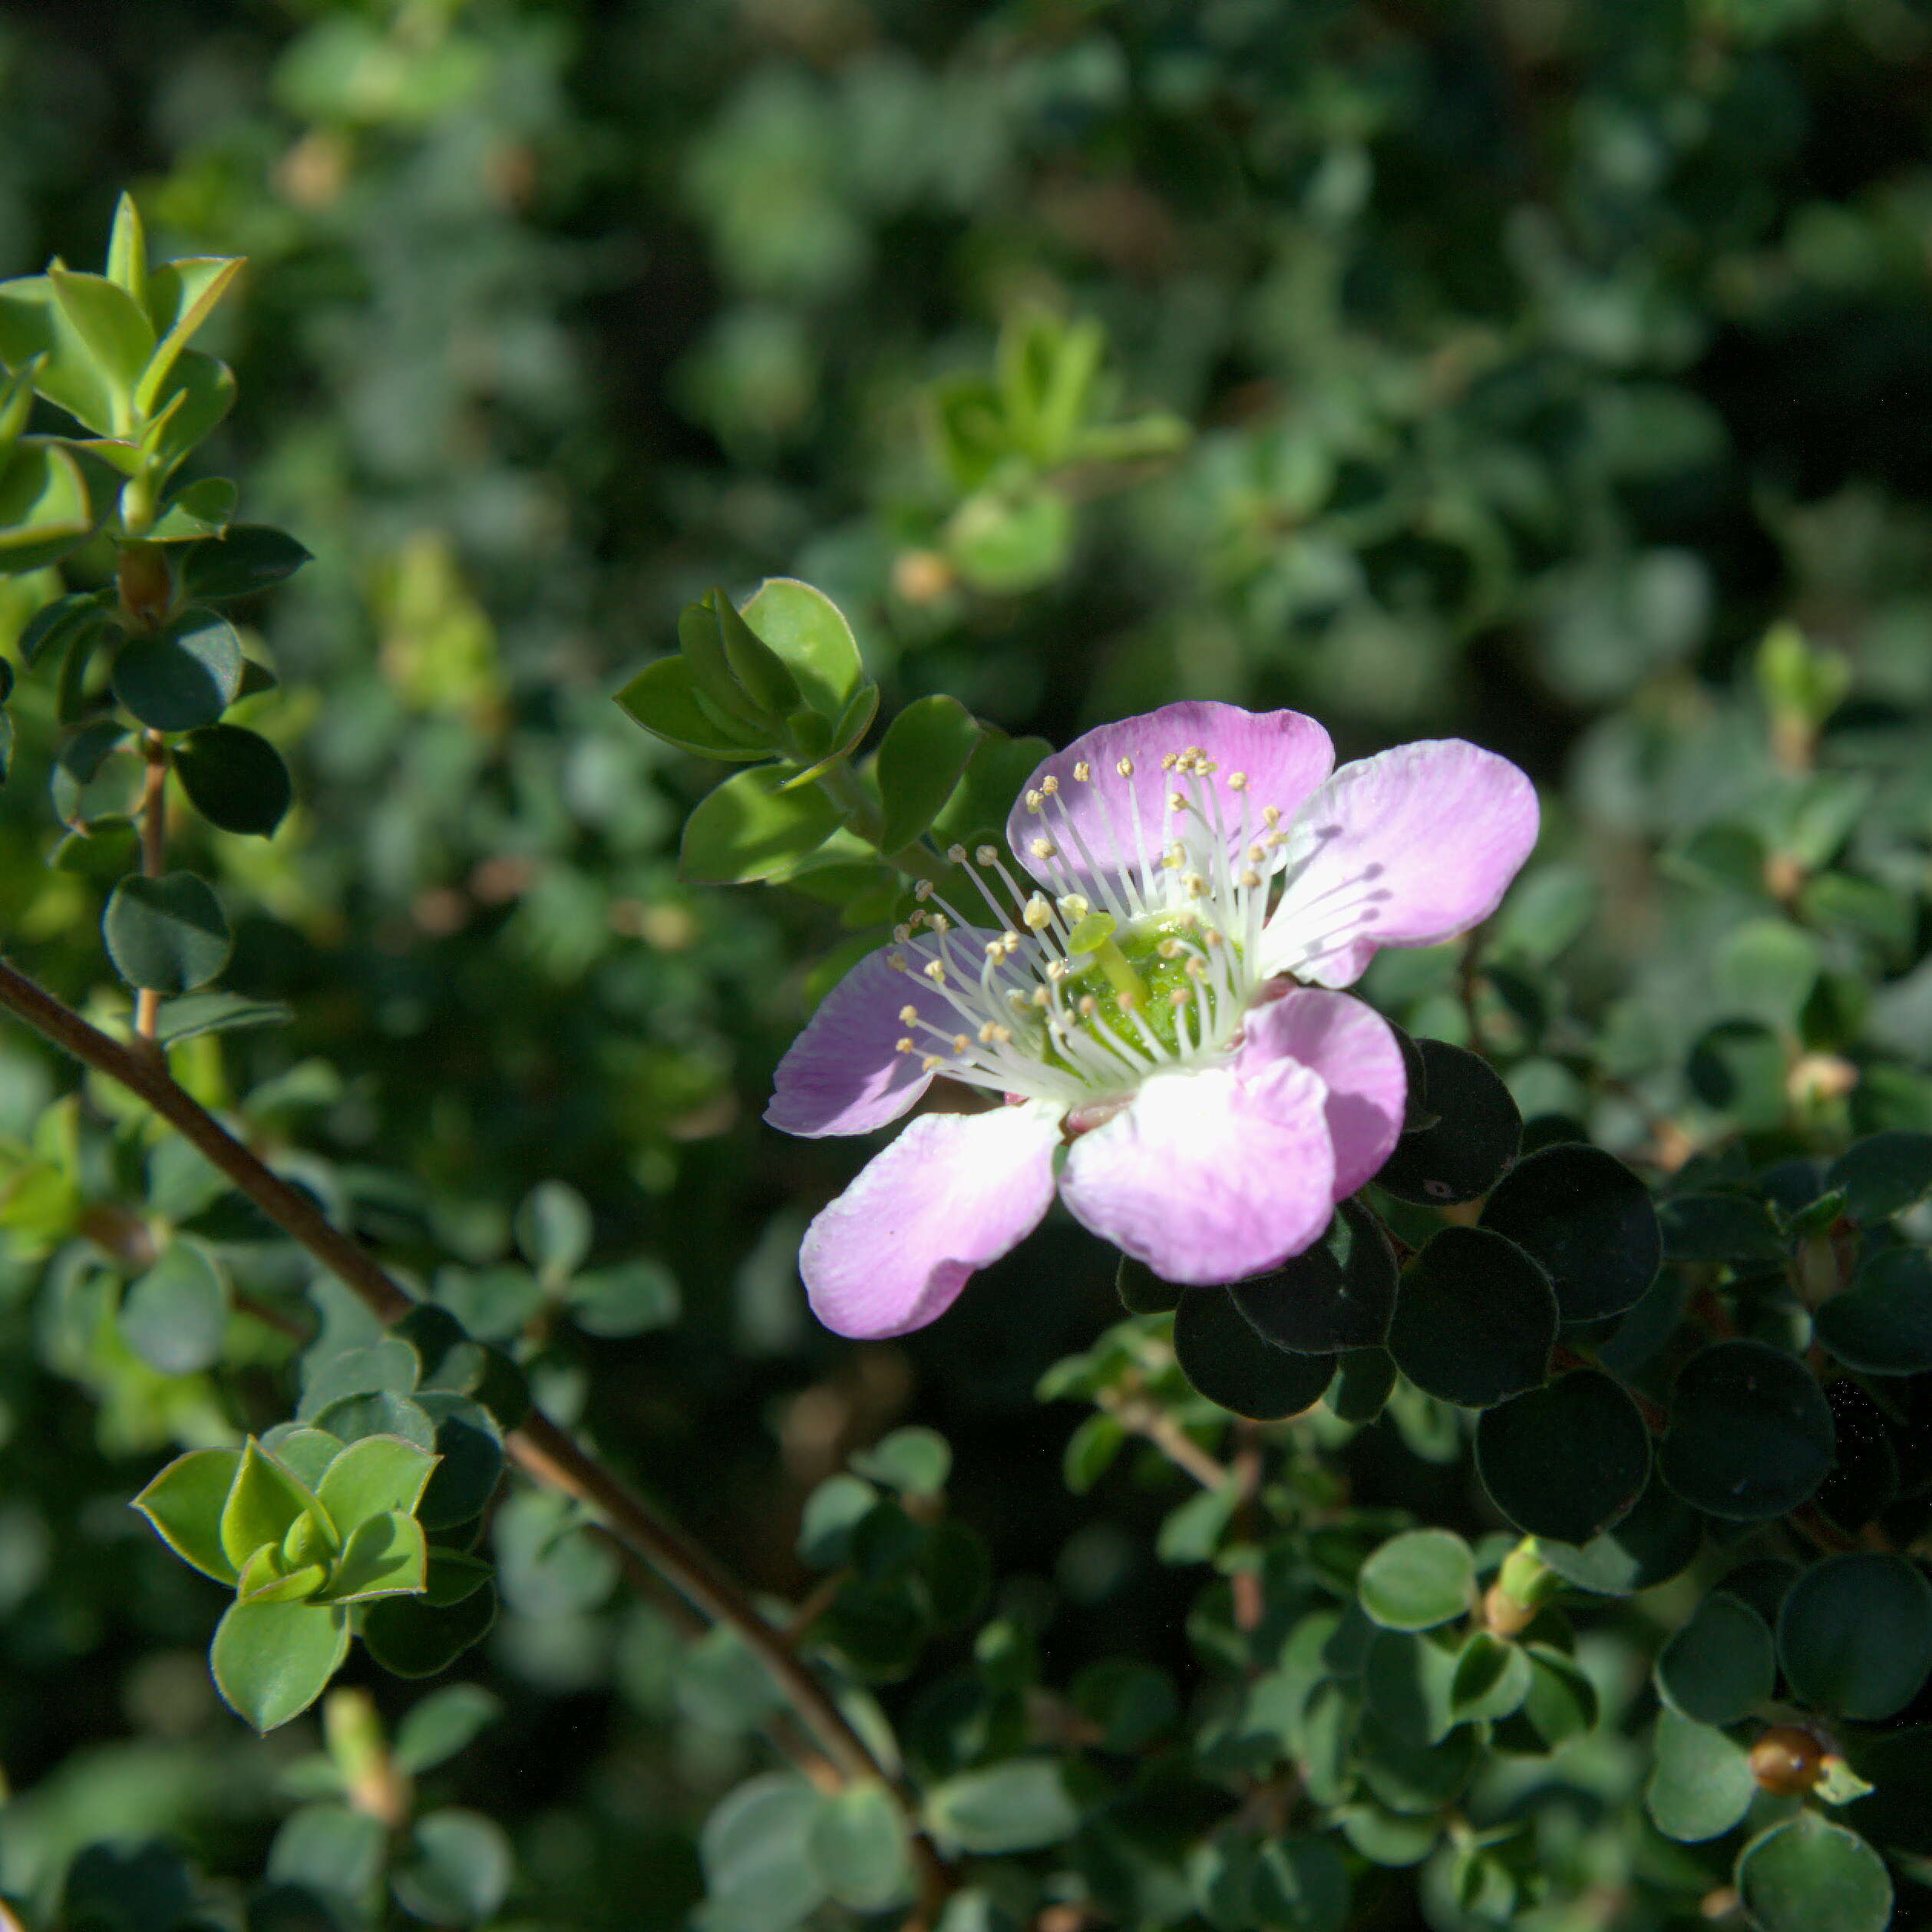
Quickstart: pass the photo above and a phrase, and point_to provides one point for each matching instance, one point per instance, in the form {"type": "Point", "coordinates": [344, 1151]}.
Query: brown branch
{"type": "Point", "coordinates": [540, 1448]}
{"type": "Point", "coordinates": [152, 812]}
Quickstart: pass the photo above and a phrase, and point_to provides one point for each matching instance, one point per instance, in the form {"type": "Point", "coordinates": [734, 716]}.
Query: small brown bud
{"type": "Point", "coordinates": [1787, 1761]}
{"type": "Point", "coordinates": [1503, 1615]}
{"type": "Point", "coordinates": [921, 576]}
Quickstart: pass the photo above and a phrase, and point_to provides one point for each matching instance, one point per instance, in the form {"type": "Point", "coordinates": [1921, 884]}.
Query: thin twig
{"type": "Point", "coordinates": [1147, 1419]}
{"type": "Point", "coordinates": [539, 1447]}
{"type": "Point", "coordinates": [152, 814]}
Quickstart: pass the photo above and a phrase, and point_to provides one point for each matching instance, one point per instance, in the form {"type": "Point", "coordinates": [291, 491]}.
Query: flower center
{"type": "Point", "coordinates": [1152, 976]}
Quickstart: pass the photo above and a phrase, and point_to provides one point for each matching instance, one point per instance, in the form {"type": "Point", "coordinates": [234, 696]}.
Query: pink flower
{"type": "Point", "coordinates": [1136, 1005]}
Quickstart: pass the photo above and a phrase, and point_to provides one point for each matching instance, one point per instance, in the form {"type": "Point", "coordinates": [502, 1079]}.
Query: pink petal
{"type": "Point", "coordinates": [1408, 848]}
{"type": "Point", "coordinates": [1110, 825]}
{"type": "Point", "coordinates": [1352, 1047]}
{"type": "Point", "coordinates": [1205, 1180]}
{"type": "Point", "coordinates": [844, 1074]}
{"type": "Point", "coordinates": [952, 1193]}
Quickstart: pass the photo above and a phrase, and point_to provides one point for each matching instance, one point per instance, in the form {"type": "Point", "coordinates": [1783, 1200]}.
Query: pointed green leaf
{"type": "Point", "coordinates": [272, 1661]}
{"type": "Point", "coordinates": [109, 321]}
{"type": "Point", "coordinates": [296, 1586]}
{"type": "Point", "coordinates": [435, 1730]}
{"type": "Point", "coordinates": [386, 1556]}
{"type": "Point", "coordinates": [749, 829]}
{"type": "Point", "coordinates": [128, 253]}
{"type": "Point", "coordinates": [201, 511]}
{"type": "Point", "coordinates": [179, 297]}
{"type": "Point", "coordinates": [43, 508]}
{"type": "Point", "coordinates": [662, 697]}
{"type": "Point", "coordinates": [234, 778]}
{"type": "Point", "coordinates": [263, 1505]}
{"type": "Point", "coordinates": [372, 1478]}
{"type": "Point", "coordinates": [810, 633]}
{"type": "Point", "coordinates": [184, 1503]}
{"type": "Point", "coordinates": [248, 558]}
{"type": "Point", "coordinates": [33, 324]}
{"type": "Point", "coordinates": [922, 756]}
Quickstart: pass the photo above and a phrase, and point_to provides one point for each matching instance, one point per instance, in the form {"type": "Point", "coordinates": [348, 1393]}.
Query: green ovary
{"type": "Point", "coordinates": [1128, 969]}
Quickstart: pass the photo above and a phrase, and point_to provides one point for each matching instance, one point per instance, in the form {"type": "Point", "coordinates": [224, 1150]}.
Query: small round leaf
{"type": "Point", "coordinates": [234, 778]}
{"type": "Point", "coordinates": [1882, 1324]}
{"type": "Point", "coordinates": [1700, 1781]}
{"type": "Point", "coordinates": [1583, 1216]}
{"type": "Point", "coordinates": [1226, 1361]}
{"type": "Point", "coordinates": [272, 1661]}
{"type": "Point", "coordinates": [1658, 1540]}
{"type": "Point", "coordinates": [1855, 1634]}
{"type": "Point", "coordinates": [1475, 1319]}
{"type": "Point", "coordinates": [1720, 1666]}
{"type": "Point", "coordinates": [1417, 1579]}
{"type": "Point", "coordinates": [1474, 1141]}
{"type": "Point", "coordinates": [174, 1314]}
{"type": "Point", "coordinates": [1336, 1295]}
{"type": "Point", "coordinates": [1567, 1460]}
{"type": "Point", "coordinates": [455, 1869]}
{"type": "Point", "coordinates": [186, 675]}
{"type": "Point", "coordinates": [168, 935]}
{"type": "Point", "coordinates": [1750, 1434]}
{"type": "Point", "coordinates": [1810, 1875]}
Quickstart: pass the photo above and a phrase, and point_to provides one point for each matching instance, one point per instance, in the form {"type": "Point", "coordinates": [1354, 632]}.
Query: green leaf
{"type": "Point", "coordinates": [127, 252]}
{"type": "Point", "coordinates": [1700, 1783]}
{"type": "Point", "coordinates": [1337, 1295]}
{"type": "Point", "coordinates": [1855, 1634]}
{"type": "Point", "coordinates": [1409, 1678]}
{"type": "Point", "coordinates": [922, 758]}
{"type": "Point", "coordinates": [1882, 1324]}
{"type": "Point", "coordinates": [1560, 1702]}
{"type": "Point", "coordinates": [470, 1445]}
{"type": "Point", "coordinates": [1807, 1874]}
{"type": "Point", "coordinates": [1364, 1380]}
{"type": "Point", "coordinates": [1567, 1460]}
{"type": "Point", "coordinates": [184, 1503]}
{"type": "Point", "coordinates": [1718, 1227]}
{"type": "Point", "coordinates": [198, 393]}
{"type": "Point", "coordinates": [1588, 1222]}
{"type": "Point", "coordinates": [1491, 1680]}
{"type": "Point", "coordinates": [759, 1874]}
{"type": "Point", "coordinates": [1765, 970]}
{"type": "Point", "coordinates": [1418, 1580]}
{"type": "Point", "coordinates": [247, 558]}
{"type": "Point", "coordinates": [751, 828]}
{"type": "Point", "coordinates": [54, 626]}
{"type": "Point", "coordinates": [181, 295]}
{"type": "Point", "coordinates": [382, 1411]}
{"type": "Point", "coordinates": [411, 1637]}
{"type": "Point", "coordinates": [1475, 1319]}
{"type": "Point", "coordinates": [832, 1512]}
{"type": "Point", "coordinates": [384, 1556]}
{"type": "Point", "coordinates": [1224, 1359]}
{"type": "Point", "coordinates": [553, 1229]}
{"type": "Point", "coordinates": [1750, 1434]}
{"type": "Point", "coordinates": [272, 1661]}
{"type": "Point", "coordinates": [183, 676]}
{"type": "Point", "coordinates": [1018, 1806]}
{"type": "Point", "coordinates": [662, 697]}
{"type": "Point", "coordinates": [1142, 1292]}
{"type": "Point", "coordinates": [1475, 1140]}
{"type": "Point", "coordinates": [108, 320]}
{"type": "Point", "coordinates": [632, 1299]}
{"type": "Point", "coordinates": [388, 1363]}
{"type": "Point", "coordinates": [455, 1870]}
{"type": "Point", "coordinates": [168, 934]}
{"type": "Point", "coordinates": [371, 1477]}
{"type": "Point", "coordinates": [915, 1461]}
{"type": "Point", "coordinates": [234, 778]}
{"type": "Point", "coordinates": [810, 634]}
{"type": "Point", "coordinates": [199, 510]}
{"type": "Point", "coordinates": [195, 1014]}
{"type": "Point", "coordinates": [263, 1504]}
{"type": "Point", "coordinates": [305, 1452]}
{"type": "Point", "coordinates": [265, 1585]}
{"type": "Point", "coordinates": [1883, 1175]}
{"type": "Point", "coordinates": [858, 1845]}
{"type": "Point", "coordinates": [436, 1727]}
{"type": "Point", "coordinates": [1720, 1666]}
{"type": "Point", "coordinates": [34, 325]}
{"type": "Point", "coordinates": [175, 1314]}
{"type": "Point", "coordinates": [332, 1850]}
{"type": "Point", "coordinates": [43, 507]}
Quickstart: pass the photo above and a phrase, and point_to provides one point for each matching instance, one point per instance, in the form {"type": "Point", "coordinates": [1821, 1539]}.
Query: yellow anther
{"type": "Point", "coordinates": [909, 1014]}
{"type": "Point", "coordinates": [962, 1043]}
{"type": "Point", "coordinates": [1177, 802]}
{"type": "Point", "coordinates": [1038, 914]}
{"type": "Point", "coordinates": [1034, 800]}
{"type": "Point", "coordinates": [903, 1043]}
{"type": "Point", "coordinates": [1169, 760]}
{"type": "Point", "coordinates": [987, 854]}
{"type": "Point", "coordinates": [1044, 848]}
{"type": "Point", "coordinates": [1250, 877]}
{"type": "Point", "coordinates": [1256, 854]}
{"type": "Point", "coordinates": [1041, 996]}
{"type": "Point", "coordinates": [1075, 905]}
{"type": "Point", "coordinates": [1089, 1005]}
{"type": "Point", "coordinates": [941, 923]}
{"type": "Point", "coordinates": [1197, 886]}
{"type": "Point", "coordinates": [1170, 948]}
{"type": "Point", "coordinates": [900, 934]}
{"type": "Point", "coordinates": [1056, 970]}
{"type": "Point", "coordinates": [935, 972]}
{"type": "Point", "coordinates": [1271, 816]}
{"type": "Point", "coordinates": [955, 855]}
{"type": "Point", "coordinates": [1082, 772]}
{"type": "Point", "coordinates": [1050, 784]}
{"type": "Point", "coordinates": [988, 1033]}
{"type": "Point", "coordinates": [996, 948]}
{"type": "Point", "coordinates": [1180, 996]}
{"type": "Point", "coordinates": [933, 1062]}
{"type": "Point", "coordinates": [897, 961]}
{"type": "Point", "coordinates": [1238, 782]}
{"type": "Point", "coordinates": [1124, 766]}
{"type": "Point", "coordinates": [923, 890]}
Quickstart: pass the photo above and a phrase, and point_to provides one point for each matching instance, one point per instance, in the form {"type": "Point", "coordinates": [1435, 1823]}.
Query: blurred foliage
{"type": "Point", "coordinates": [1537, 371]}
